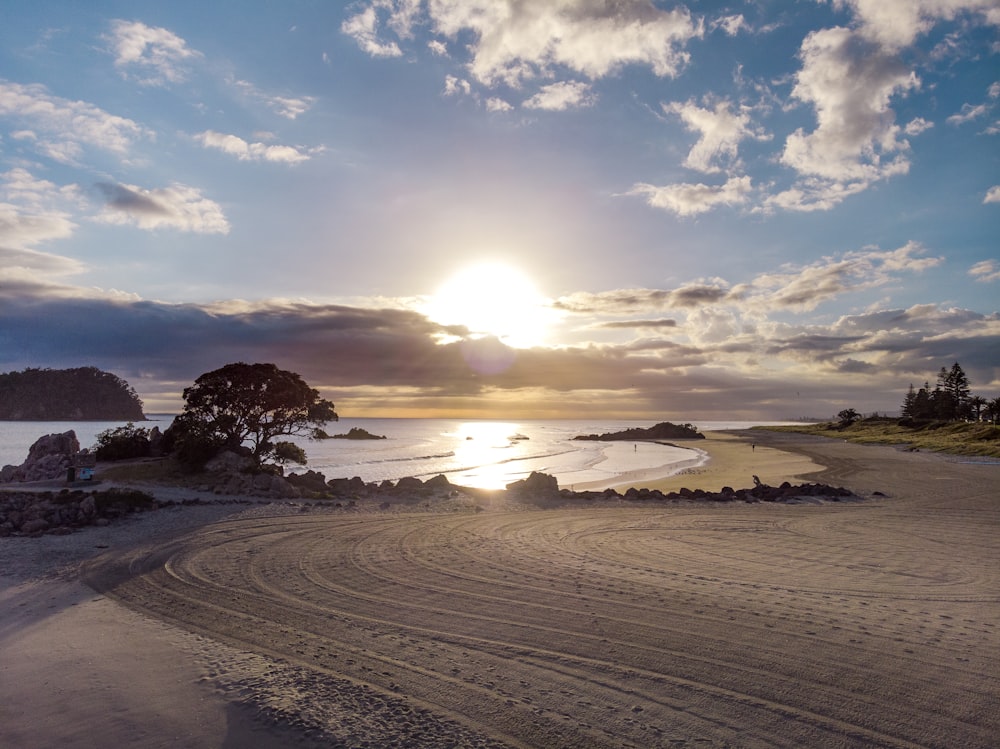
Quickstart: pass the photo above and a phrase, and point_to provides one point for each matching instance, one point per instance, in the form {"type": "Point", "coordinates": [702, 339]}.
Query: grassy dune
{"type": "Point", "coordinates": [958, 438]}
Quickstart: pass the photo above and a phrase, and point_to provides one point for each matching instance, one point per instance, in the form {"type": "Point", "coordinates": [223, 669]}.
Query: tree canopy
{"type": "Point", "coordinates": [249, 405]}
{"type": "Point", "coordinates": [949, 400]}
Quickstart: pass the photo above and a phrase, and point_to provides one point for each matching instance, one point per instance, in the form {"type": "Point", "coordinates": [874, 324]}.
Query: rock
{"type": "Point", "coordinates": [229, 462]}
{"type": "Point", "coordinates": [438, 482]}
{"type": "Point", "coordinates": [36, 525]}
{"type": "Point", "coordinates": [311, 481]}
{"type": "Point", "coordinates": [48, 458]}
{"type": "Point", "coordinates": [540, 485]}
{"type": "Point", "coordinates": [409, 483]}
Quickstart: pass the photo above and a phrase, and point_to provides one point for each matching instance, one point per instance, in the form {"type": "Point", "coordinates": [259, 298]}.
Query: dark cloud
{"type": "Point", "coordinates": [391, 359]}
{"type": "Point", "coordinates": [639, 324]}
{"type": "Point", "coordinates": [637, 301]}
{"type": "Point", "coordinates": [130, 201]}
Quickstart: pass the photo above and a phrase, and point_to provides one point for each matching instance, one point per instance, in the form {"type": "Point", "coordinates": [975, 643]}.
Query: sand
{"type": "Point", "coordinates": [483, 623]}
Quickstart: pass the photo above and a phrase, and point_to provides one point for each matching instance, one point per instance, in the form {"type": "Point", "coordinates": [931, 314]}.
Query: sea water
{"type": "Point", "coordinates": [476, 453]}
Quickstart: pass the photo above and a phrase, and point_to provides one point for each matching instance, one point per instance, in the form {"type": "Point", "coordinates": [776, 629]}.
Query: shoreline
{"type": "Point", "coordinates": [732, 458]}
{"type": "Point", "coordinates": [80, 670]}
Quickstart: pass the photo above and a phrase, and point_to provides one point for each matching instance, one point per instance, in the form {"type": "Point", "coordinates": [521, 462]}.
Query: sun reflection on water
{"type": "Point", "coordinates": [476, 448]}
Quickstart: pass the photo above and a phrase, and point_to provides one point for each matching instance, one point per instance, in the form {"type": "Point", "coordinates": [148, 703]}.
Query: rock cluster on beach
{"type": "Point", "coordinates": [786, 492]}
{"type": "Point", "coordinates": [60, 513]}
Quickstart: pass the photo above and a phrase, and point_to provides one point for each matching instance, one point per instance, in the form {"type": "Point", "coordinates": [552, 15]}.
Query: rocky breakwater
{"type": "Point", "coordinates": [786, 493]}
{"type": "Point", "coordinates": [60, 513]}
{"type": "Point", "coordinates": [48, 458]}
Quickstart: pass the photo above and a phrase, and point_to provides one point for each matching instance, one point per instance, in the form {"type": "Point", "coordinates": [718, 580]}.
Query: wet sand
{"type": "Point", "coordinates": [483, 623]}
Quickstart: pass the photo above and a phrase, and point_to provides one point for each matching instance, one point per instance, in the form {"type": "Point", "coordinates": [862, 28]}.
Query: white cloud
{"type": "Point", "coordinates": [60, 127]}
{"type": "Point", "coordinates": [813, 194]}
{"type": "Point", "coordinates": [496, 104]}
{"type": "Point", "coordinates": [514, 41]}
{"type": "Point", "coordinates": [805, 288]}
{"type": "Point", "coordinates": [176, 207]}
{"type": "Point", "coordinates": [363, 28]}
{"type": "Point", "coordinates": [454, 86]}
{"type": "Point", "coordinates": [157, 53]}
{"type": "Point", "coordinates": [561, 96]}
{"type": "Point", "coordinates": [691, 199]}
{"type": "Point", "coordinates": [992, 195]}
{"type": "Point", "coordinates": [721, 131]}
{"type": "Point", "coordinates": [986, 271]}
{"type": "Point", "coordinates": [289, 107]}
{"type": "Point", "coordinates": [968, 113]}
{"type": "Point", "coordinates": [33, 212]}
{"type": "Point", "coordinates": [437, 47]}
{"type": "Point", "coordinates": [732, 25]}
{"type": "Point", "coordinates": [917, 125]}
{"type": "Point", "coordinates": [896, 24]}
{"type": "Point", "coordinates": [517, 40]}
{"type": "Point", "coordinates": [849, 83]}
{"type": "Point", "coordinates": [244, 151]}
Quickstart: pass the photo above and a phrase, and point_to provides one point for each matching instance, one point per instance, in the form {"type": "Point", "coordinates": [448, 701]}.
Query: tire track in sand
{"type": "Point", "coordinates": [870, 624]}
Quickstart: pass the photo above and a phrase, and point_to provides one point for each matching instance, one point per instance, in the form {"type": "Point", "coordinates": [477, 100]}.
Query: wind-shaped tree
{"type": "Point", "coordinates": [248, 405]}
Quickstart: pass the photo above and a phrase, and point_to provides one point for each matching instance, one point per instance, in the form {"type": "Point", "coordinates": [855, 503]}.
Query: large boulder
{"type": "Point", "coordinates": [48, 458]}
{"type": "Point", "coordinates": [537, 485]}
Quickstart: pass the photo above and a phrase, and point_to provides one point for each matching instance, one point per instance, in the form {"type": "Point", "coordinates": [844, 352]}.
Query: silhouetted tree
{"type": "Point", "coordinates": [847, 417]}
{"type": "Point", "coordinates": [247, 406]}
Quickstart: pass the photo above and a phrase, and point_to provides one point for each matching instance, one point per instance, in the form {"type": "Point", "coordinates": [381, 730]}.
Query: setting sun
{"type": "Point", "coordinates": [493, 299]}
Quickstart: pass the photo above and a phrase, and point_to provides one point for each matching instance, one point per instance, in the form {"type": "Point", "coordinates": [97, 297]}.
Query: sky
{"type": "Point", "coordinates": [634, 209]}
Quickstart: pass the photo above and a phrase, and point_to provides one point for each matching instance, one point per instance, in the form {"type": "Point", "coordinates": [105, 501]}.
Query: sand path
{"type": "Point", "coordinates": [872, 623]}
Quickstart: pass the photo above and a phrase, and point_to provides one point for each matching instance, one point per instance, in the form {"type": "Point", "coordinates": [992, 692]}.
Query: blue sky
{"type": "Point", "coordinates": [506, 208]}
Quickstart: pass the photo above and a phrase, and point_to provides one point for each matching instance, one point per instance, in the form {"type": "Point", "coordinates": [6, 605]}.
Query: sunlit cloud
{"type": "Point", "coordinates": [849, 84]}
{"type": "Point", "coordinates": [563, 95]}
{"type": "Point", "coordinates": [986, 271]}
{"type": "Point", "coordinates": [687, 199]}
{"type": "Point", "coordinates": [151, 55]}
{"type": "Point", "coordinates": [61, 127]}
{"type": "Point", "coordinates": [244, 151]}
{"type": "Point", "coordinates": [720, 129]}
{"type": "Point", "coordinates": [895, 24]}
{"type": "Point", "coordinates": [177, 207]}
{"type": "Point", "coordinates": [515, 42]}
{"type": "Point", "coordinates": [289, 107]}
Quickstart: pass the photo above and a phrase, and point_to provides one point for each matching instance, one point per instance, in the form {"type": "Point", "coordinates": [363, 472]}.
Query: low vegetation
{"type": "Point", "coordinates": [954, 437]}
{"type": "Point", "coordinates": [948, 418]}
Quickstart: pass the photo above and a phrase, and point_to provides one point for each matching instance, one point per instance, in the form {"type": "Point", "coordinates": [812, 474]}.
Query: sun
{"type": "Point", "coordinates": [493, 299]}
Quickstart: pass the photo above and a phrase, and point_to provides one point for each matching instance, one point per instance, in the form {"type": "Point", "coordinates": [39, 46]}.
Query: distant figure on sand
{"type": "Point", "coordinates": [753, 447]}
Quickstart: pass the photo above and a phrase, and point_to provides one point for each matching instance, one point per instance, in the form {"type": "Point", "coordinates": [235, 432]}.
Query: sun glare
{"type": "Point", "coordinates": [493, 299]}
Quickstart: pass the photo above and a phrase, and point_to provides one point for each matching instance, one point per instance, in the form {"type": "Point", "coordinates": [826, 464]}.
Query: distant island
{"type": "Point", "coordinates": [662, 431]}
{"type": "Point", "coordinates": [80, 394]}
{"type": "Point", "coordinates": [355, 433]}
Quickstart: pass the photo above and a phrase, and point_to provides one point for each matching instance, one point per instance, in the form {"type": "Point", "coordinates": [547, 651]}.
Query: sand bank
{"type": "Point", "coordinates": [731, 459]}
{"type": "Point", "coordinates": [603, 625]}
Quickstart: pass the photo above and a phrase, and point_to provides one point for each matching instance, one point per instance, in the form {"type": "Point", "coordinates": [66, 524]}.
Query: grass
{"type": "Point", "coordinates": [954, 437]}
{"type": "Point", "coordinates": [154, 471]}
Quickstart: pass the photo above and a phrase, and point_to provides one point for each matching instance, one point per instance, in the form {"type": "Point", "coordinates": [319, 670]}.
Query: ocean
{"type": "Point", "coordinates": [482, 454]}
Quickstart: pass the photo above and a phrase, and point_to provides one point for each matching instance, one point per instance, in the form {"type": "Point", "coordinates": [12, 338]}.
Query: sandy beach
{"type": "Point", "coordinates": [478, 622]}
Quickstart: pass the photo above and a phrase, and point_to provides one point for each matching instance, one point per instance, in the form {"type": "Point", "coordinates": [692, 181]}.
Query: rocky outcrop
{"type": "Point", "coordinates": [231, 473]}
{"type": "Point", "coordinates": [314, 485]}
{"type": "Point", "coordinates": [665, 430]}
{"type": "Point", "coordinates": [48, 458]}
{"type": "Point", "coordinates": [354, 433]}
{"type": "Point", "coordinates": [60, 513]}
{"type": "Point", "coordinates": [537, 485]}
